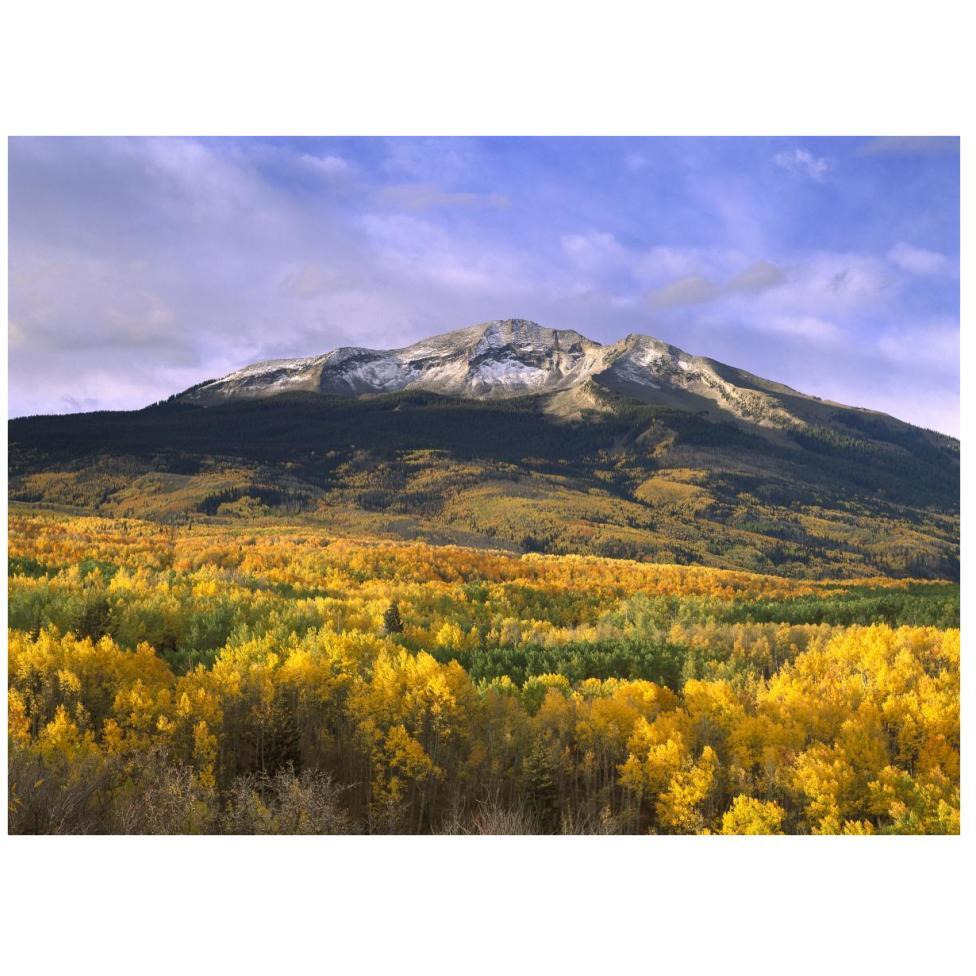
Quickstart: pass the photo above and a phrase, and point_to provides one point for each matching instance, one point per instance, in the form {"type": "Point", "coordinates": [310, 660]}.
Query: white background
{"type": "Point", "coordinates": [524, 905]}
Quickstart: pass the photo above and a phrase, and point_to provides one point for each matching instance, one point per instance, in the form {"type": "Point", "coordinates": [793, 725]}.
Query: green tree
{"type": "Point", "coordinates": [392, 623]}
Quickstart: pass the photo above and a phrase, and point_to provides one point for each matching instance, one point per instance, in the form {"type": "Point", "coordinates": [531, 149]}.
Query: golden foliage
{"type": "Point", "coordinates": [781, 728]}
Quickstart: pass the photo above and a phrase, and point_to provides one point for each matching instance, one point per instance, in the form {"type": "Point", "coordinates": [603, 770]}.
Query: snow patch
{"type": "Point", "coordinates": [503, 358]}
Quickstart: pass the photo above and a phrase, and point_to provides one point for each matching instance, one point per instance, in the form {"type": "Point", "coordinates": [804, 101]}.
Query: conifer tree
{"type": "Point", "coordinates": [392, 623]}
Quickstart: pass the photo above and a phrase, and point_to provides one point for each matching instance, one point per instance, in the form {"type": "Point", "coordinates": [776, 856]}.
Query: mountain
{"type": "Point", "coordinates": [497, 359]}
{"type": "Point", "coordinates": [508, 434]}
{"type": "Point", "coordinates": [512, 358]}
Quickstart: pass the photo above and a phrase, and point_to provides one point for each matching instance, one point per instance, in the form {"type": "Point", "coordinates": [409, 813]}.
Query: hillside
{"type": "Point", "coordinates": [513, 436]}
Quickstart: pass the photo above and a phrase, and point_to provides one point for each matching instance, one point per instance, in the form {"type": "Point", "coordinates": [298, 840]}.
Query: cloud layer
{"type": "Point", "coordinates": [141, 266]}
{"type": "Point", "coordinates": [803, 163]}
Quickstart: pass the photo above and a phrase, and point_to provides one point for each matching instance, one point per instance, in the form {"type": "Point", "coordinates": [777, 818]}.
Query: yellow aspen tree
{"type": "Point", "coordinates": [747, 815]}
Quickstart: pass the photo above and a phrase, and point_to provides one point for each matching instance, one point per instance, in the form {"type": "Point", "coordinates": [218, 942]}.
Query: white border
{"type": "Point", "coordinates": [842, 905]}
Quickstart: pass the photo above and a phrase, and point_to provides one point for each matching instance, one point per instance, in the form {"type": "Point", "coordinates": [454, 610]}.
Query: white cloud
{"type": "Point", "coordinates": [917, 260]}
{"type": "Point", "coordinates": [844, 280]}
{"type": "Point", "coordinates": [423, 196]}
{"type": "Point", "coordinates": [601, 252]}
{"type": "Point", "coordinates": [803, 163]}
{"type": "Point", "coordinates": [595, 251]}
{"type": "Point", "coordinates": [933, 346]}
{"type": "Point", "coordinates": [674, 273]}
{"type": "Point", "coordinates": [409, 251]}
{"type": "Point", "coordinates": [329, 165]}
{"type": "Point", "coordinates": [757, 277]}
{"type": "Point", "coordinates": [807, 327]}
{"type": "Point", "coordinates": [690, 290]}
{"type": "Point", "coordinates": [668, 262]}
{"type": "Point", "coordinates": [15, 334]}
{"type": "Point", "coordinates": [827, 284]}
{"type": "Point", "coordinates": [310, 281]}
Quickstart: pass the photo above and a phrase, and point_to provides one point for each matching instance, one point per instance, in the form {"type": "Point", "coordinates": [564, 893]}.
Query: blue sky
{"type": "Point", "coordinates": [141, 266]}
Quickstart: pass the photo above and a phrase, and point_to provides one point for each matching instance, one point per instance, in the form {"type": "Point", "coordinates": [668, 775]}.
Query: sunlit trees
{"type": "Point", "coordinates": [208, 680]}
{"type": "Point", "coordinates": [748, 815]}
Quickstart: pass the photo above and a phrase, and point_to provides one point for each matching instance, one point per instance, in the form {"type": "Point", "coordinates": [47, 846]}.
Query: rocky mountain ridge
{"type": "Point", "coordinates": [516, 357]}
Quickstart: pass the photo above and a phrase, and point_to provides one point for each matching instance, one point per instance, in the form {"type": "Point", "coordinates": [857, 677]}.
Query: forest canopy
{"type": "Point", "coordinates": [247, 678]}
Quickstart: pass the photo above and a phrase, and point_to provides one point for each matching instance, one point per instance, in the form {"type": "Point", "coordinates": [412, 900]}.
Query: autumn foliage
{"type": "Point", "coordinates": [211, 679]}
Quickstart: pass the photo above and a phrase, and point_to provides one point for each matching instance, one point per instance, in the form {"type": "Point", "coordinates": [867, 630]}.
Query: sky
{"type": "Point", "coordinates": [140, 266]}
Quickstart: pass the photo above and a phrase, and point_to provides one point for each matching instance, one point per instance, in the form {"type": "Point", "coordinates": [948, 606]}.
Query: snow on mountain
{"type": "Point", "coordinates": [507, 358]}
{"type": "Point", "coordinates": [645, 362]}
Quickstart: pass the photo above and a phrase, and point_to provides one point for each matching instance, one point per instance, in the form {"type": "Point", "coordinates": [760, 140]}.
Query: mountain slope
{"type": "Point", "coordinates": [511, 435]}
{"type": "Point", "coordinates": [515, 357]}
{"type": "Point", "coordinates": [508, 358]}
{"type": "Point", "coordinates": [496, 359]}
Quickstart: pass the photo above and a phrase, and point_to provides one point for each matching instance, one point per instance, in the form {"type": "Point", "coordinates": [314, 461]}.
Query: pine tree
{"type": "Point", "coordinates": [541, 789]}
{"type": "Point", "coordinates": [392, 623]}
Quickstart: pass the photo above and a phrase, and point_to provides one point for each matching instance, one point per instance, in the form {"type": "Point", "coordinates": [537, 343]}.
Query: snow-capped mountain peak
{"type": "Point", "coordinates": [507, 358]}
